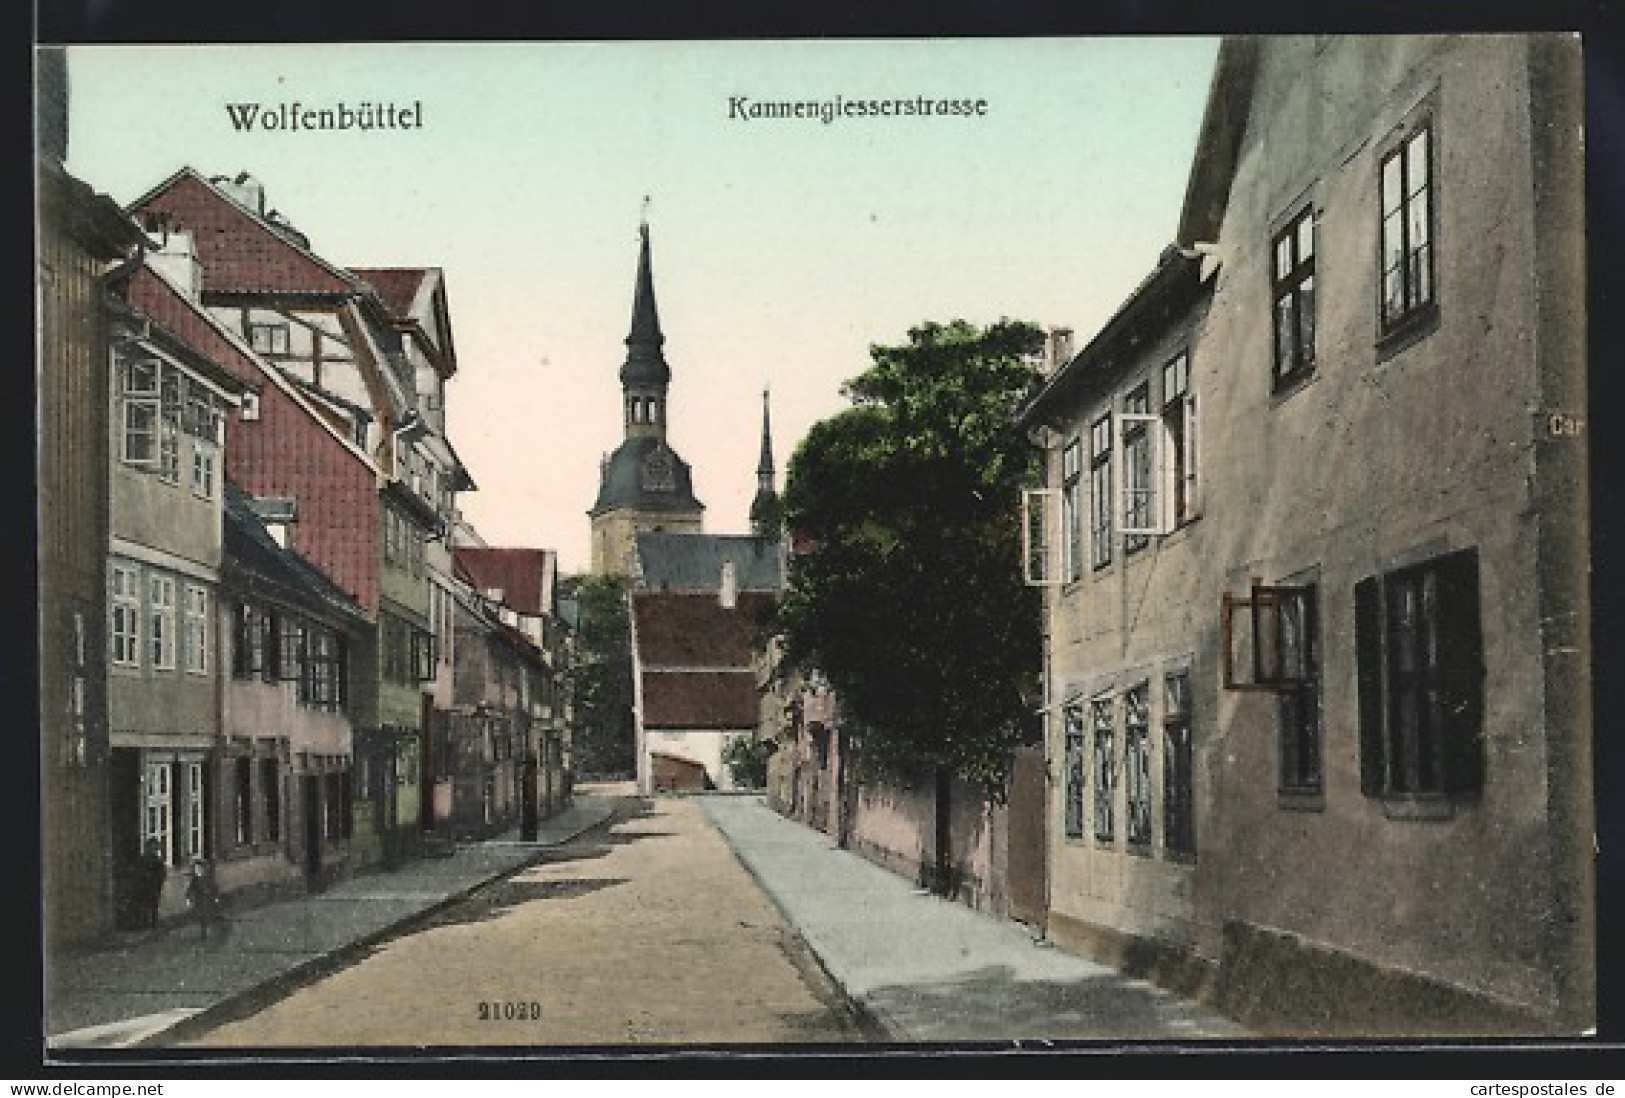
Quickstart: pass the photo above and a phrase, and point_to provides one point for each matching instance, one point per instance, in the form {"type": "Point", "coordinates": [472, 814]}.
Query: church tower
{"type": "Point", "coordinates": [764, 509]}
{"type": "Point", "coordinates": [643, 485]}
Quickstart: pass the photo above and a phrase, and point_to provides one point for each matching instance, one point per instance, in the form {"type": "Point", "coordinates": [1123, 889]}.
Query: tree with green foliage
{"type": "Point", "coordinates": [601, 680]}
{"type": "Point", "coordinates": [911, 599]}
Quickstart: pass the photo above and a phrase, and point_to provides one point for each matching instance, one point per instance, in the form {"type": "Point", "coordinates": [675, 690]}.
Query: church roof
{"type": "Point", "coordinates": [645, 364]}
{"type": "Point", "coordinates": [693, 562]}
{"type": "Point", "coordinates": [624, 485]}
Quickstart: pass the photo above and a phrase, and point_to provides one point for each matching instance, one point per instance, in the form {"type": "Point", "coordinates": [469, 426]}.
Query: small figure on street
{"type": "Point", "coordinates": [203, 899]}
{"type": "Point", "coordinates": [149, 878]}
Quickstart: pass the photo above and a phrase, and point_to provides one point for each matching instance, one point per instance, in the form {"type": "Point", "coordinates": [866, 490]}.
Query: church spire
{"type": "Point", "coordinates": [764, 509]}
{"type": "Point", "coordinates": [645, 364]}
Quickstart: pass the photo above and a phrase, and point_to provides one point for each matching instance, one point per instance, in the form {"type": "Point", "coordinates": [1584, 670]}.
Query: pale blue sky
{"type": "Point", "coordinates": [782, 248]}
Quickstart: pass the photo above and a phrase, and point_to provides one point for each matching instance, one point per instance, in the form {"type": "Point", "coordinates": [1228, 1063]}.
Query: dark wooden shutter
{"type": "Point", "coordinates": [1462, 673]}
{"type": "Point", "coordinates": [1368, 675]}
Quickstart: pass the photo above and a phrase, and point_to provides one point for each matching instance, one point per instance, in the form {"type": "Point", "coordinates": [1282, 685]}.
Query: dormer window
{"type": "Point", "coordinates": [268, 339]}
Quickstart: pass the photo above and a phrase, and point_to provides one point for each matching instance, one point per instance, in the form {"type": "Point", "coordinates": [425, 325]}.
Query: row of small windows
{"type": "Point", "coordinates": [282, 647]}
{"type": "Point", "coordinates": [643, 410]}
{"type": "Point", "coordinates": [404, 542]}
{"type": "Point", "coordinates": [158, 406]}
{"type": "Point", "coordinates": [156, 620]}
{"type": "Point", "coordinates": [1155, 481]}
{"type": "Point", "coordinates": [1407, 200]}
{"type": "Point", "coordinates": [1108, 743]}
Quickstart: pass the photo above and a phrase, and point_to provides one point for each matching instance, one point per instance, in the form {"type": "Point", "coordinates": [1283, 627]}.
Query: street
{"type": "Point", "coordinates": [647, 932]}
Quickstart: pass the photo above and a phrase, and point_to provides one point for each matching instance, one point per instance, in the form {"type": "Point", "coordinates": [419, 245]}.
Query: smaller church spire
{"type": "Point", "coordinates": [764, 509]}
{"type": "Point", "coordinates": [764, 467]}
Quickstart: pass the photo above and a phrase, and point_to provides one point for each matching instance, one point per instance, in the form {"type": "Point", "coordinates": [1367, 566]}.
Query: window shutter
{"type": "Point", "coordinates": [1041, 538]}
{"type": "Point", "coordinates": [1368, 673]}
{"type": "Point", "coordinates": [1462, 671]}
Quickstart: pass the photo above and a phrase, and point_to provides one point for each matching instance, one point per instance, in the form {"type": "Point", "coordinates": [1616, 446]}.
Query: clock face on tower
{"type": "Point", "coordinates": [659, 471]}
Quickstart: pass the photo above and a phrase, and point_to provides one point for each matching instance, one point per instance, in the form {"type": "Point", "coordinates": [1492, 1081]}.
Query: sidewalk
{"type": "Point", "coordinates": [924, 969]}
{"type": "Point", "coordinates": [138, 991]}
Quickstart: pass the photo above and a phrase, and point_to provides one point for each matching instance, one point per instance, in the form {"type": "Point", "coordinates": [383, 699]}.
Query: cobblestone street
{"type": "Point", "coordinates": [649, 932]}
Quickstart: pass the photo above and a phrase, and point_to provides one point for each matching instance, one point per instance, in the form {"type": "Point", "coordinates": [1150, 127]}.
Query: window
{"type": "Point", "coordinates": [140, 403]}
{"type": "Point", "coordinates": [334, 814]}
{"type": "Point", "coordinates": [1179, 435]}
{"type": "Point", "coordinates": [1137, 764]}
{"type": "Point", "coordinates": [1298, 706]}
{"type": "Point", "coordinates": [268, 338]}
{"type": "Point", "coordinates": [203, 462]}
{"type": "Point", "coordinates": [1100, 491]}
{"type": "Point", "coordinates": [1178, 766]}
{"type": "Point", "coordinates": [271, 792]}
{"type": "Point", "coordinates": [323, 685]}
{"type": "Point", "coordinates": [1421, 680]}
{"type": "Point", "coordinates": [171, 389]}
{"type": "Point", "coordinates": [1039, 538]}
{"type": "Point", "coordinates": [1263, 639]}
{"type": "Point", "coordinates": [195, 801]}
{"type": "Point", "coordinates": [1072, 508]}
{"type": "Point", "coordinates": [195, 635]}
{"type": "Point", "coordinates": [1075, 773]}
{"type": "Point", "coordinates": [1407, 229]}
{"type": "Point", "coordinates": [250, 642]}
{"type": "Point", "coordinates": [1139, 481]}
{"type": "Point", "coordinates": [1100, 718]}
{"type": "Point", "coordinates": [157, 803]}
{"type": "Point", "coordinates": [1292, 284]}
{"type": "Point", "coordinates": [242, 773]}
{"type": "Point", "coordinates": [290, 649]}
{"type": "Point", "coordinates": [161, 621]}
{"type": "Point", "coordinates": [124, 611]}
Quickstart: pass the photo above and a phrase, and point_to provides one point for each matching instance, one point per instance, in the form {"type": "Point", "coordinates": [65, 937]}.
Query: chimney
{"type": "Point", "coordinates": [1060, 348]}
{"type": "Point", "coordinates": [729, 594]}
{"type": "Point", "coordinates": [177, 259]}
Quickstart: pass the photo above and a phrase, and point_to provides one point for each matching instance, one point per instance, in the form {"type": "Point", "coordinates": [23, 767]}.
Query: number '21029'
{"type": "Point", "coordinates": [491, 1011]}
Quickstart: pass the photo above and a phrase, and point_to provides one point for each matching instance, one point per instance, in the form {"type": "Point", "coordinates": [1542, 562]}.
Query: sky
{"type": "Point", "coordinates": [783, 248]}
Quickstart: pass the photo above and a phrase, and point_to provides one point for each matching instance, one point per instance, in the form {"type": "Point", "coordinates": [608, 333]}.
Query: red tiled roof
{"type": "Point", "coordinates": [397, 286]}
{"type": "Point", "coordinates": [518, 572]}
{"type": "Point", "coordinates": [692, 629]}
{"type": "Point", "coordinates": [240, 251]}
{"type": "Point", "coordinates": [711, 699]}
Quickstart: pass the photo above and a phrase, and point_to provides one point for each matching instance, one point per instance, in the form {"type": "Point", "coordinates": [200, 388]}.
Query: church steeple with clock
{"type": "Point", "coordinates": [643, 485]}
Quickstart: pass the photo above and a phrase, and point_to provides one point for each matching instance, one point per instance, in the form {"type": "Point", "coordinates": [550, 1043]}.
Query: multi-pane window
{"type": "Point", "coordinates": [268, 339]}
{"type": "Point", "coordinates": [1293, 288]}
{"type": "Point", "coordinates": [290, 649]}
{"type": "Point", "coordinates": [1139, 483]}
{"type": "Point", "coordinates": [1105, 766]}
{"type": "Point", "coordinates": [242, 785]}
{"type": "Point", "coordinates": [124, 614]}
{"type": "Point", "coordinates": [1179, 433]}
{"type": "Point", "coordinates": [1100, 491]}
{"type": "Point", "coordinates": [323, 684]}
{"type": "Point", "coordinates": [1407, 228]}
{"type": "Point", "coordinates": [157, 803]}
{"type": "Point", "coordinates": [140, 413]}
{"type": "Point", "coordinates": [204, 455]}
{"type": "Point", "coordinates": [1137, 765]}
{"type": "Point", "coordinates": [1298, 704]}
{"type": "Point", "coordinates": [1178, 769]}
{"type": "Point", "coordinates": [172, 391]}
{"type": "Point", "coordinates": [195, 801]}
{"type": "Point", "coordinates": [1075, 770]}
{"type": "Point", "coordinates": [1420, 663]}
{"type": "Point", "coordinates": [1072, 508]}
{"type": "Point", "coordinates": [161, 621]}
{"type": "Point", "coordinates": [195, 629]}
